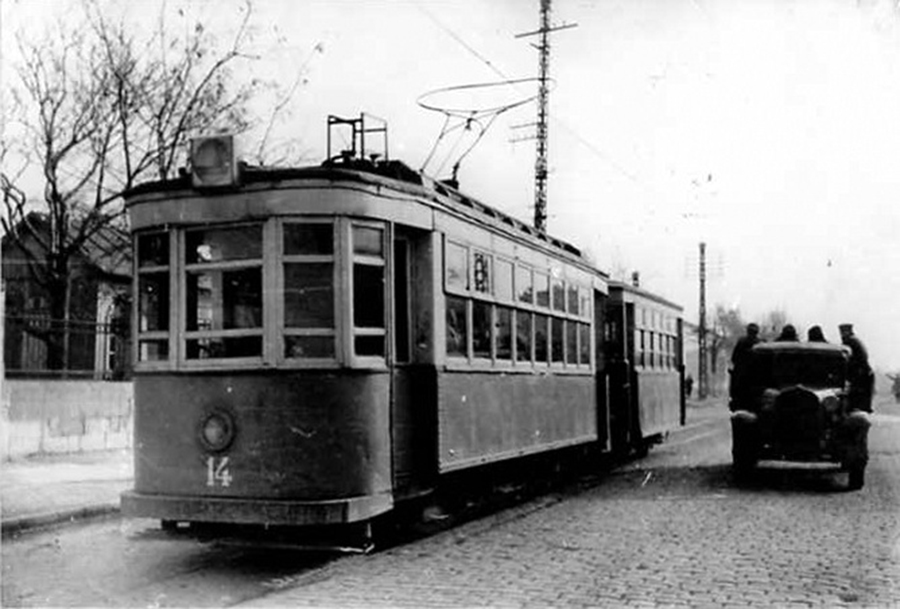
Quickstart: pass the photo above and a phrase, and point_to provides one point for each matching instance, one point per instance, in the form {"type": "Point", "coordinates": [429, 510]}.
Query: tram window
{"type": "Point", "coordinates": [524, 287]}
{"type": "Point", "coordinates": [585, 297]}
{"type": "Point", "coordinates": [309, 295]}
{"type": "Point", "coordinates": [222, 300]}
{"type": "Point", "coordinates": [153, 250]}
{"type": "Point", "coordinates": [368, 241]}
{"type": "Point", "coordinates": [640, 358]}
{"type": "Point", "coordinates": [481, 272]}
{"type": "Point", "coordinates": [504, 333]}
{"type": "Point", "coordinates": [368, 290]}
{"type": "Point", "coordinates": [523, 336]}
{"type": "Point", "coordinates": [481, 329]}
{"type": "Point", "coordinates": [368, 296]}
{"type": "Point", "coordinates": [571, 342]}
{"type": "Point", "coordinates": [572, 297]}
{"type": "Point", "coordinates": [542, 289]}
{"type": "Point", "coordinates": [154, 350]}
{"type": "Point", "coordinates": [369, 345]}
{"type": "Point", "coordinates": [456, 326]}
{"type": "Point", "coordinates": [559, 295]}
{"type": "Point", "coordinates": [240, 346]}
{"type": "Point", "coordinates": [219, 245]}
{"type": "Point", "coordinates": [540, 339]}
{"type": "Point", "coordinates": [503, 284]}
{"type": "Point", "coordinates": [457, 267]}
{"type": "Point", "coordinates": [309, 346]}
{"type": "Point", "coordinates": [556, 340]}
{"type": "Point", "coordinates": [153, 304]}
{"type": "Point", "coordinates": [584, 344]}
{"type": "Point", "coordinates": [308, 239]}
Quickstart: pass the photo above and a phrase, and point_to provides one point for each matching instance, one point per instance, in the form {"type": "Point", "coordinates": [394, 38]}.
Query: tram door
{"type": "Point", "coordinates": [620, 378]}
{"type": "Point", "coordinates": [414, 378]}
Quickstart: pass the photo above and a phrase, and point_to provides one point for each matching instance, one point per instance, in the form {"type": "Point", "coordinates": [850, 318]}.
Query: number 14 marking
{"type": "Point", "coordinates": [217, 472]}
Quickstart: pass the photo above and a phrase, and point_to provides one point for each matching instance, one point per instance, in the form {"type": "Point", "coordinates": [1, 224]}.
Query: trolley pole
{"type": "Point", "coordinates": [702, 375]}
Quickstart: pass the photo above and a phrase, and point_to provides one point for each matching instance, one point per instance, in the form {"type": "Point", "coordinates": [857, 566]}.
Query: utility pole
{"type": "Point", "coordinates": [702, 376]}
{"type": "Point", "coordinates": [540, 163]}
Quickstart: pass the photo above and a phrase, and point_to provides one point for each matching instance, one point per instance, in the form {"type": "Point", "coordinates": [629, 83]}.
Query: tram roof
{"type": "Point", "coordinates": [629, 291]}
{"type": "Point", "coordinates": [394, 174]}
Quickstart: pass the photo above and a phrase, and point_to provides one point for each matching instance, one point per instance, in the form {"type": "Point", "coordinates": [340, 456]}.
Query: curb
{"type": "Point", "coordinates": [23, 524]}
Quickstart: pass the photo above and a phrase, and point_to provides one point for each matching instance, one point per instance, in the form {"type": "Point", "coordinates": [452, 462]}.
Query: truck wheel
{"type": "Point", "coordinates": [856, 477]}
{"type": "Point", "coordinates": [742, 467]}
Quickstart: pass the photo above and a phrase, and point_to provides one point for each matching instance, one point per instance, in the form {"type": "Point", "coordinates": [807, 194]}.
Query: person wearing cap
{"type": "Point", "coordinates": [739, 358]}
{"type": "Point", "coordinates": [788, 334]}
{"type": "Point", "coordinates": [859, 373]}
{"type": "Point", "coordinates": [815, 335]}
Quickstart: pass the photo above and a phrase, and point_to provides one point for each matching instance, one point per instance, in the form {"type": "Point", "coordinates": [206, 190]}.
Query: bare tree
{"type": "Point", "coordinates": [98, 111]}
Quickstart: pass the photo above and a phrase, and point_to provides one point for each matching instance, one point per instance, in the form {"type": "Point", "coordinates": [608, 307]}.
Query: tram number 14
{"type": "Point", "coordinates": [217, 472]}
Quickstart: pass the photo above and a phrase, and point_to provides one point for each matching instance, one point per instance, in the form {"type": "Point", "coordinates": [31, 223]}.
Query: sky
{"type": "Point", "coordinates": [767, 130]}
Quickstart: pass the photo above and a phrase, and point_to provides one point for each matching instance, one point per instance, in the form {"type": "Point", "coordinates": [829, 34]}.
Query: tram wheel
{"type": "Point", "coordinates": [856, 478]}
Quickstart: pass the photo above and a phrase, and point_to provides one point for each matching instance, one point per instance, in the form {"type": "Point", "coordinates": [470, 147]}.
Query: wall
{"type": "Point", "coordinates": [56, 416]}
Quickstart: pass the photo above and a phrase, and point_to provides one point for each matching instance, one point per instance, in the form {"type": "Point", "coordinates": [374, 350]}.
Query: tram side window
{"type": "Point", "coordinates": [584, 344]}
{"type": "Point", "coordinates": [541, 344]}
{"type": "Point", "coordinates": [523, 336]}
{"type": "Point", "coordinates": [153, 296]}
{"type": "Point", "coordinates": [559, 295]}
{"type": "Point", "coordinates": [504, 333]}
{"type": "Point", "coordinates": [556, 340]}
{"type": "Point", "coordinates": [524, 286]}
{"type": "Point", "coordinates": [368, 291]}
{"type": "Point", "coordinates": [481, 329]}
{"type": "Point", "coordinates": [224, 292]}
{"type": "Point", "coordinates": [572, 297]}
{"type": "Point", "coordinates": [572, 342]}
{"type": "Point", "coordinates": [456, 327]}
{"type": "Point", "coordinates": [309, 320]}
{"type": "Point", "coordinates": [457, 264]}
{"type": "Point", "coordinates": [542, 289]}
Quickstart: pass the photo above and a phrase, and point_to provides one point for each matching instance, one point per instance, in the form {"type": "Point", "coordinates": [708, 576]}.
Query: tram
{"type": "Point", "coordinates": [318, 345]}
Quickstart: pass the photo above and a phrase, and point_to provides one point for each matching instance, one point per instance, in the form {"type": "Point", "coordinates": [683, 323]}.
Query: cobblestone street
{"type": "Point", "coordinates": [669, 531]}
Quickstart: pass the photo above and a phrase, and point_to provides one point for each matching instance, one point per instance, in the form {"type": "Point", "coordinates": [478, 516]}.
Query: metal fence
{"type": "Point", "coordinates": [40, 347]}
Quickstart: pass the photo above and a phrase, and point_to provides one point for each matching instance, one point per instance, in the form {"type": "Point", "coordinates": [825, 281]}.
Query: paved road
{"type": "Point", "coordinates": [671, 530]}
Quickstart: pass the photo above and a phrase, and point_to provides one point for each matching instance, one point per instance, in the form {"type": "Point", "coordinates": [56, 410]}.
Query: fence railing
{"type": "Point", "coordinates": [40, 347]}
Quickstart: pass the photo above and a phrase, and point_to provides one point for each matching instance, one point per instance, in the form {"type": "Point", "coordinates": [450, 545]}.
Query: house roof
{"type": "Point", "coordinates": [107, 249]}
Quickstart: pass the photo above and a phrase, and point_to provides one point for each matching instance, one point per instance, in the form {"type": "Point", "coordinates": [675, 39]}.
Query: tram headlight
{"type": "Point", "coordinates": [213, 162]}
{"type": "Point", "coordinates": [217, 431]}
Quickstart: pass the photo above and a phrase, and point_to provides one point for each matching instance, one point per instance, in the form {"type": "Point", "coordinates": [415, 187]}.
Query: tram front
{"type": "Point", "coordinates": [262, 392]}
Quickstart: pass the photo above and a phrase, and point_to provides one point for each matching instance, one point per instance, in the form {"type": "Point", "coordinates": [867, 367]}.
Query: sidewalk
{"type": "Point", "coordinates": [47, 490]}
